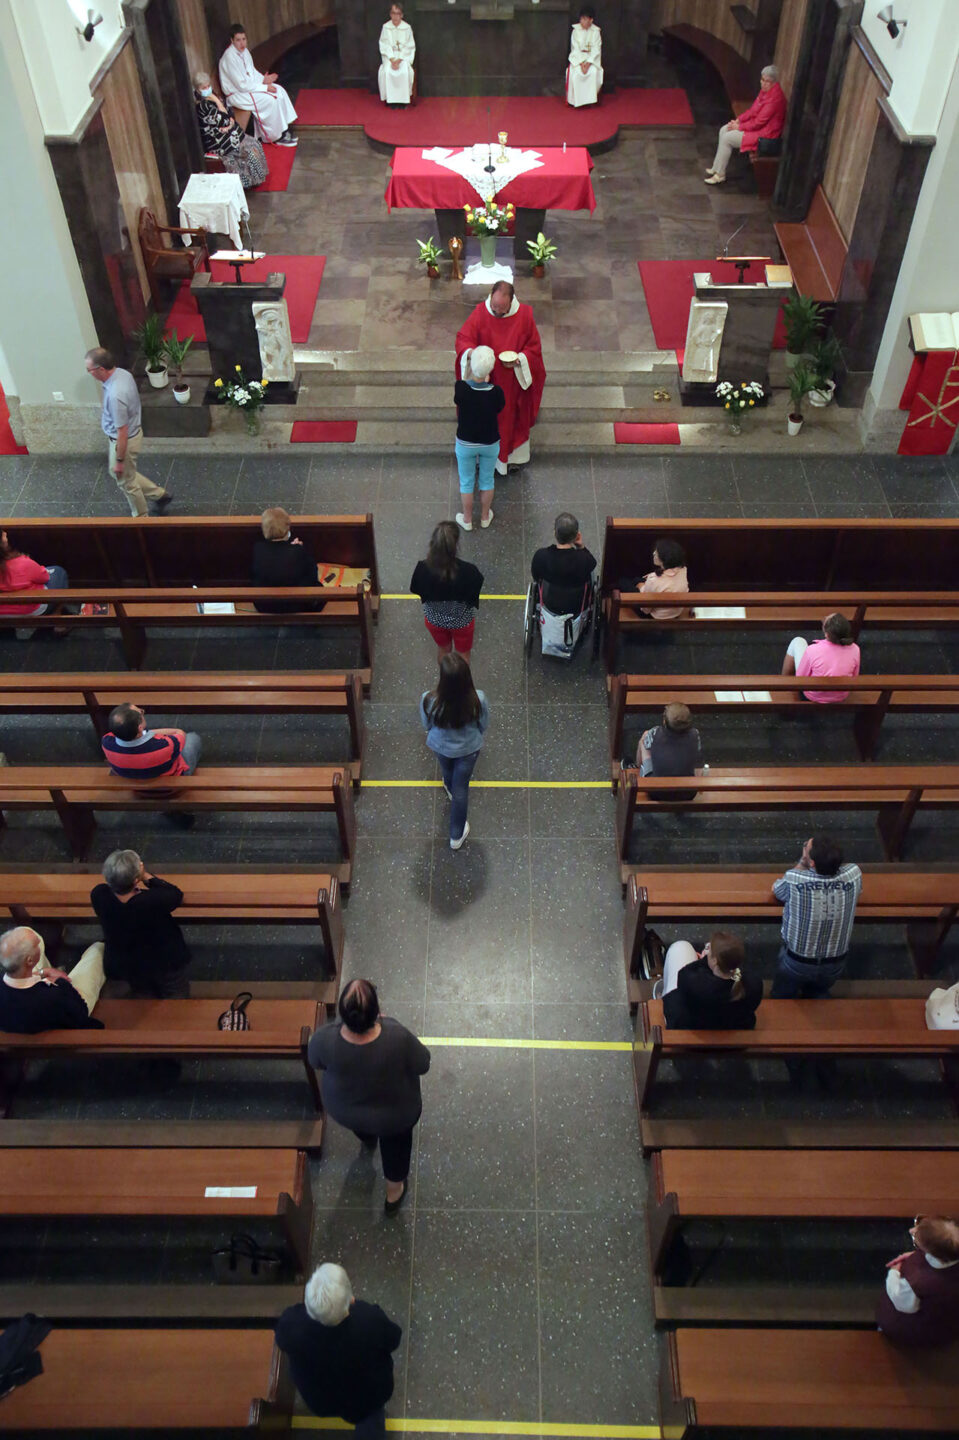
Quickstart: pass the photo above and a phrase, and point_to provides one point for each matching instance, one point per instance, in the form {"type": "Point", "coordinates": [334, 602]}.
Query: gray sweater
{"type": "Point", "coordinates": [373, 1088]}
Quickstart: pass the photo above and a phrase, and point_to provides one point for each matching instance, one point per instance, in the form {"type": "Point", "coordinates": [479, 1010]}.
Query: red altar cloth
{"type": "Point", "coordinates": [933, 394]}
{"type": "Point", "coordinates": [561, 183]}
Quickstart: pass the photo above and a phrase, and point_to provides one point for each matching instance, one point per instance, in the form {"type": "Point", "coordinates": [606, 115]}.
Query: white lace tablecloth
{"type": "Point", "coordinates": [470, 163]}
{"type": "Point", "coordinates": [216, 202]}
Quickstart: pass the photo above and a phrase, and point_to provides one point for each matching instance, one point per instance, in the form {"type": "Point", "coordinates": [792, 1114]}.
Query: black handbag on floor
{"type": "Point", "coordinates": [236, 1017]}
{"type": "Point", "coordinates": [244, 1262]}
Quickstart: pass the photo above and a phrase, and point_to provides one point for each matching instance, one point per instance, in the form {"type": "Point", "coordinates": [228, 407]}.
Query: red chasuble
{"type": "Point", "coordinates": [510, 332]}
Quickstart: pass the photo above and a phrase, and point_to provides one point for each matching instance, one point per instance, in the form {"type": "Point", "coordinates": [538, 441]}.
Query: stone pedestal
{"type": "Point", "coordinates": [747, 337]}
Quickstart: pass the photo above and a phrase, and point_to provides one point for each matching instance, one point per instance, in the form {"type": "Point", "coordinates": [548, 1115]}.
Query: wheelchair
{"type": "Point", "coordinates": [560, 635]}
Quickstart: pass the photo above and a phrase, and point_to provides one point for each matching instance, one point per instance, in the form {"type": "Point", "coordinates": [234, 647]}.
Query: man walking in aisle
{"type": "Point", "coordinates": [121, 421]}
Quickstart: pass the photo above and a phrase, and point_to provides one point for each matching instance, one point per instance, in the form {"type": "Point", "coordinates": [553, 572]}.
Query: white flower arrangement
{"type": "Point", "coordinates": [737, 398]}
{"type": "Point", "coordinates": [489, 219]}
{"type": "Point", "coordinates": [244, 395]}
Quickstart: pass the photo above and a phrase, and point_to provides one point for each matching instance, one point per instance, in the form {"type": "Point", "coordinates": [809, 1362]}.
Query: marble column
{"type": "Point", "coordinates": [813, 104]}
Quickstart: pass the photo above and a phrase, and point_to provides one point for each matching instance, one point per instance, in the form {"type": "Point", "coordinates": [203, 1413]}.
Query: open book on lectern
{"type": "Point", "coordinates": [935, 332]}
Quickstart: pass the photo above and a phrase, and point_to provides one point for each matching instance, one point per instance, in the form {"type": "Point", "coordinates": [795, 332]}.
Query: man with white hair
{"type": "Point", "coordinates": [340, 1351]}
{"type": "Point", "coordinates": [35, 997]}
{"type": "Point", "coordinates": [245, 88]}
{"type": "Point", "coordinates": [764, 120]}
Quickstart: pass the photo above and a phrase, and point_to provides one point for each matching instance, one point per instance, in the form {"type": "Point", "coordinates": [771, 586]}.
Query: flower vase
{"type": "Point", "coordinates": [488, 250]}
{"type": "Point", "coordinates": [735, 425]}
{"type": "Point", "coordinates": [252, 418]}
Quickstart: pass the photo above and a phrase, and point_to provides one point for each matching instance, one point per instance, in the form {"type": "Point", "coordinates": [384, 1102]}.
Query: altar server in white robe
{"type": "Point", "coordinates": [246, 89]}
{"type": "Point", "coordinates": [398, 49]}
{"type": "Point", "coordinates": [584, 78]}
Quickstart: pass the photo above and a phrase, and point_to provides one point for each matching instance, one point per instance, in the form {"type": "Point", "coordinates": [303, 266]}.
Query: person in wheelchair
{"type": "Point", "coordinates": [565, 568]}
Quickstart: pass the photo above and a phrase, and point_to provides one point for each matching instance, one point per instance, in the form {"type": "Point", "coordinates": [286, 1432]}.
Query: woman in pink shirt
{"type": "Point", "coordinates": [669, 559]}
{"type": "Point", "coordinates": [837, 654]}
{"type": "Point", "coordinates": [19, 572]}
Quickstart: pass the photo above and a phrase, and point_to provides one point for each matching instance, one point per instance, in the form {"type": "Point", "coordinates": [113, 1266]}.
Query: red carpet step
{"type": "Point", "coordinates": [462, 120]}
{"type": "Point", "coordinates": [631, 433]}
{"type": "Point", "coordinates": [668, 287]}
{"type": "Point", "coordinates": [323, 432]}
{"type": "Point", "coordinates": [8, 445]}
{"type": "Point", "coordinates": [280, 160]}
{"type": "Point", "coordinates": [303, 275]}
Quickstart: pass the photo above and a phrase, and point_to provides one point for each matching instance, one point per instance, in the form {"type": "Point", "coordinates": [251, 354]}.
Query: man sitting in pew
{"type": "Point", "coordinates": [672, 748]}
{"type": "Point", "coordinates": [707, 989]}
{"type": "Point", "coordinates": [921, 1303]}
{"type": "Point", "coordinates": [819, 896]}
{"type": "Point", "coordinates": [278, 559]}
{"type": "Point", "coordinates": [136, 753]}
{"type": "Point", "coordinates": [36, 997]}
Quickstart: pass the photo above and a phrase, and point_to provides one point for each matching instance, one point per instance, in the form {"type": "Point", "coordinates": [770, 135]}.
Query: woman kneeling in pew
{"type": "Point", "coordinates": [921, 1303]}
{"type": "Point", "coordinates": [708, 990]}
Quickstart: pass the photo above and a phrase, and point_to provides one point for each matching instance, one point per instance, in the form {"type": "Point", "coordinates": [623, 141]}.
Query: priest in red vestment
{"type": "Point", "coordinates": [505, 325]}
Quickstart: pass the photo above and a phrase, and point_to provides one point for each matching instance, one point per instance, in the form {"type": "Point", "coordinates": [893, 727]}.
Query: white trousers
{"type": "Point", "coordinates": [797, 648]}
{"type": "Point", "coordinates": [272, 113]}
{"type": "Point", "coordinates": [680, 953]}
{"type": "Point", "coordinates": [729, 140]}
{"type": "Point", "coordinates": [396, 86]}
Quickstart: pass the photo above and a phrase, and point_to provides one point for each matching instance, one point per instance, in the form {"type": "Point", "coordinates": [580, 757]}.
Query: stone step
{"type": "Point", "coordinates": [412, 367]}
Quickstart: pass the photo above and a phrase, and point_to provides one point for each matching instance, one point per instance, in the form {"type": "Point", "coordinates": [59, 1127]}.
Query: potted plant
{"type": "Point", "coordinates": [176, 352]}
{"type": "Point", "coordinates": [802, 379]}
{"type": "Point", "coordinates": [429, 254]}
{"type": "Point", "coordinates": [542, 252]}
{"type": "Point", "coordinates": [487, 221]}
{"type": "Point", "coordinates": [152, 345]}
{"type": "Point", "coordinates": [246, 397]}
{"type": "Point", "coordinates": [826, 354]}
{"type": "Point", "coordinates": [737, 399]}
{"type": "Point", "coordinates": [803, 318]}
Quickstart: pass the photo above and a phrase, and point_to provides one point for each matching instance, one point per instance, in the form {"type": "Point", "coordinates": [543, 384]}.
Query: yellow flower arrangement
{"type": "Point", "coordinates": [218, 384]}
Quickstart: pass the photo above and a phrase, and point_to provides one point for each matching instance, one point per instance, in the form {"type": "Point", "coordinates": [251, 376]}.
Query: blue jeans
{"type": "Point", "coordinates": [191, 750]}
{"type": "Point", "coordinates": [797, 980]}
{"type": "Point", "coordinates": [457, 770]}
{"type": "Point", "coordinates": [59, 579]}
{"type": "Point", "coordinates": [371, 1426]}
{"type": "Point", "coordinates": [467, 455]}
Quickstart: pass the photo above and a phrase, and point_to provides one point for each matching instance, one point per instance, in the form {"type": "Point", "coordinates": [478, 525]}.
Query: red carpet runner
{"type": "Point", "coordinates": [668, 287]}
{"type": "Point", "coordinates": [328, 432]}
{"type": "Point", "coordinates": [627, 432]}
{"type": "Point", "coordinates": [303, 275]}
{"type": "Point", "coordinates": [280, 160]}
{"type": "Point", "coordinates": [461, 120]}
{"type": "Point", "coordinates": [8, 445]}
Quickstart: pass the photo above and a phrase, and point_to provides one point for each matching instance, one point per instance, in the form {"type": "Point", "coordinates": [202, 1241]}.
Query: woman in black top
{"type": "Point", "coordinates": [478, 404]}
{"type": "Point", "coordinates": [144, 944]}
{"type": "Point", "coordinates": [449, 589]}
{"type": "Point", "coordinates": [371, 1081]}
{"type": "Point", "coordinates": [221, 135]}
{"type": "Point", "coordinates": [708, 990]}
{"type": "Point", "coordinates": [278, 559]}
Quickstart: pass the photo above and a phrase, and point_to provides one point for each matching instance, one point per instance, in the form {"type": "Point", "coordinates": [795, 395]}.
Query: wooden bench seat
{"type": "Point", "coordinates": [876, 1027]}
{"type": "Point", "coordinates": [197, 693]}
{"type": "Point", "coordinates": [894, 792]}
{"type": "Point", "coordinates": [133, 611]}
{"type": "Point", "coordinates": [146, 1380]}
{"type": "Point", "coordinates": [82, 1303]}
{"type": "Point", "coordinates": [838, 1305]}
{"type": "Point", "coordinates": [870, 699]}
{"type": "Point", "coordinates": [812, 1380]}
{"type": "Point", "coordinates": [76, 792]}
{"type": "Point", "coordinates": [184, 1183]}
{"type": "Point", "coordinates": [738, 1133]}
{"type": "Point", "coordinates": [304, 1135]}
{"type": "Point", "coordinates": [925, 901]}
{"type": "Point", "coordinates": [179, 1029]}
{"type": "Point", "coordinates": [815, 250]}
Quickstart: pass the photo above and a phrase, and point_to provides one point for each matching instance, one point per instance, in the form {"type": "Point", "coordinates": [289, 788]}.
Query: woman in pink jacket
{"type": "Point", "coordinates": [764, 120]}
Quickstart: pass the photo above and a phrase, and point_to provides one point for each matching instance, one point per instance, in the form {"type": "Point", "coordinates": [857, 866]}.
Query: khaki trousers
{"type": "Point", "coordinates": [87, 975]}
{"type": "Point", "coordinates": [136, 487]}
{"type": "Point", "coordinates": [729, 140]}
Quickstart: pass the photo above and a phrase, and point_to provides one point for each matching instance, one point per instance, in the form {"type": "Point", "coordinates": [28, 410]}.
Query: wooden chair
{"type": "Point", "coordinates": [161, 260]}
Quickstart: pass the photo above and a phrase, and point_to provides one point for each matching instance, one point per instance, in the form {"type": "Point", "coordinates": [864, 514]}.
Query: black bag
{"type": "Point", "coordinates": [244, 1262]}
{"type": "Point", "coordinates": [236, 1017]}
{"type": "Point", "coordinates": [654, 951]}
{"type": "Point", "coordinates": [19, 1357]}
{"type": "Point", "coordinates": [766, 145]}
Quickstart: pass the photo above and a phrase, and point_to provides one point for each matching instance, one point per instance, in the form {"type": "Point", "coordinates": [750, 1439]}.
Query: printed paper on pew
{"type": "Point", "coordinates": [758, 697]}
{"type": "Point", "coordinates": [729, 697]}
{"type": "Point", "coordinates": [217, 607]}
{"type": "Point", "coordinates": [230, 1192]}
{"type": "Point", "coordinates": [720, 612]}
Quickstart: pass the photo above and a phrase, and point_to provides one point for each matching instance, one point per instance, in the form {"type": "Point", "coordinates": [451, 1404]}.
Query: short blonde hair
{"type": "Point", "coordinates": [275, 523]}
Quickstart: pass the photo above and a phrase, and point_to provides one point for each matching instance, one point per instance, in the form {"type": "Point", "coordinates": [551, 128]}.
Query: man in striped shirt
{"type": "Point", "coordinates": [137, 753]}
{"type": "Point", "coordinates": [819, 898]}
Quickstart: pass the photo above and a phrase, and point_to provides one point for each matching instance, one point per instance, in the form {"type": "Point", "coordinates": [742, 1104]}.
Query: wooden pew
{"type": "Point", "coordinates": [134, 610]}
{"type": "Point", "coordinates": [179, 1029]}
{"type": "Point", "coordinates": [76, 792]}
{"type": "Point", "coordinates": [738, 1133]}
{"type": "Point", "coordinates": [148, 1381]}
{"type": "Point", "coordinates": [81, 1303]}
{"type": "Point", "coordinates": [246, 896]}
{"type": "Point", "coordinates": [925, 901]}
{"type": "Point", "coordinates": [871, 698]}
{"type": "Point", "coordinates": [894, 792]}
{"type": "Point", "coordinates": [754, 1379]}
{"type": "Point", "coordinates": [875, 1027]}
{"type": "Point", "coordinates": [815, 250]}
{"type": "Point", "coordinates": [196, 693]}
{"type": "Point", "coordinates": [81, 1183]}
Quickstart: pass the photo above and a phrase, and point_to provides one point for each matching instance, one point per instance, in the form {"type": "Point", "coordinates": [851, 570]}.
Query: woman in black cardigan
{"type": "Point", "coordinates": [450, 591]}
{"type": "Point", "coordinates": [709, 990]}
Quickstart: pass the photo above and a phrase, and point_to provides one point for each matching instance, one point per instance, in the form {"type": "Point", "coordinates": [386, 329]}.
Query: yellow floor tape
{"type": "Point", "coordinates": [491, 784]}
{"type": "Point", "coordinates": [406, 595]}
{"type": "Point", "coordinates": [501, 1427]}
{"type": "Point", "coordinates": [469, 1041]}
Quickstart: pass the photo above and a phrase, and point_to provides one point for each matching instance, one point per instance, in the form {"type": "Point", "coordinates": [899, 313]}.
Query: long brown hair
{"type": "Point", "coordinates": [7, 552]}
{"type": "Point", "coordinates": [454, 703]}
{"type": "Point", "coordinates": [441, 555]}
{"type": "Point", "coordinates": [729, 953]}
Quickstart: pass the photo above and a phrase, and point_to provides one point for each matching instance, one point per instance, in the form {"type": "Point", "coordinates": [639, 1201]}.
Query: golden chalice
{"type": "Point", "coordinates": [502, 136]}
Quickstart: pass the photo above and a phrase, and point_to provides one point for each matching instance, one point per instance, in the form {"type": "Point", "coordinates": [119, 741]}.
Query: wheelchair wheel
{"type": "Point", "coordinates": [597, 621]}
{"type": "Point", "coordinates": [529, 620]}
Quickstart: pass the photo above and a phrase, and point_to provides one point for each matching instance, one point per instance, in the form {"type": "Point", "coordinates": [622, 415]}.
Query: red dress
{"type": "Point", "coordinates": [510, 332]}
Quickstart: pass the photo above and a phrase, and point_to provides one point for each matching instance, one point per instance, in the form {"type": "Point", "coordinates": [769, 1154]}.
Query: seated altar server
{"type": "Point", "coordinates": [509, 329]}
{"type": "Point", "coordinates": [584, 78]}
{"type": "Point", "coordinates": [398, 49]}
{"type": "Point", "coordinates": [246, 89]}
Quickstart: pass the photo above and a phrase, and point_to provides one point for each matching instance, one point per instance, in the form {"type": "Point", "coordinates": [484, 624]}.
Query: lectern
{"type": "Point", "coordinates": [730, 330]}
{"type": "Point", "coordinates": [231, 332]}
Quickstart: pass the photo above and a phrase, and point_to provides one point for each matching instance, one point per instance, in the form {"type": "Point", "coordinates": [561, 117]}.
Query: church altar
{"type": "Point", "coordinates": [561, 182]}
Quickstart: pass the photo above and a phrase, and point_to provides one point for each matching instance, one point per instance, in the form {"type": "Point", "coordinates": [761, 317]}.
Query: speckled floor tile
{"type": "Point", "coordinates": [587, 1146]}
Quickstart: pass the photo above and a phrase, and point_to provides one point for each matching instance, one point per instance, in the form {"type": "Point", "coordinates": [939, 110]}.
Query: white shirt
{"type": "Point", "coordinates": [901, 1293]}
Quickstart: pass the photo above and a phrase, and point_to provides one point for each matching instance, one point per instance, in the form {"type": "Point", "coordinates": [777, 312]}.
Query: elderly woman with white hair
{"type": "Point", "coordinates": [478, 404]}
{"type": "Point", "coordinates": [144, 944]}
{"type": "Point", "coordinates": [221, 135]}
{"type": "Point", "coordinates": [763, 120]}
{"type": "Point", "coordinates": [340, 1351]}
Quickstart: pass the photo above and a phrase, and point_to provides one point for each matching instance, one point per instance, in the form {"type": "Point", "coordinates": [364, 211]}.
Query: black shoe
{"type": "Point", "coordinates": [391, 1206]}
{"type": "Point", "coordinates": [181, 819]}
{"type": "Point", "coordinates": [159, 507]}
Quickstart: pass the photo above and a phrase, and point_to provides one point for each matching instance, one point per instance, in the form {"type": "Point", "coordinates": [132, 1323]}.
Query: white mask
{"type": "Point", "coordinates": [207, 93]}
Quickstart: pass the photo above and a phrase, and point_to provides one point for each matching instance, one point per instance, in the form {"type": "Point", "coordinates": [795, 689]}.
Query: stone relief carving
{"type": "Point", "coordinates": [704, 333]}
{"type": "Point", "coordinates": [276, 343]}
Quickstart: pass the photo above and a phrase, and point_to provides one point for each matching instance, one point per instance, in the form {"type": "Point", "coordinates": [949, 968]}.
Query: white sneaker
{"type": "Point", "coordinates": [458, 844]}
{"type": "Point", "coordinates": [288, 138]}
{"type": "Point", "coordinates": [488, 521]}
{"type": "Point", "coordinates": [463, 523]}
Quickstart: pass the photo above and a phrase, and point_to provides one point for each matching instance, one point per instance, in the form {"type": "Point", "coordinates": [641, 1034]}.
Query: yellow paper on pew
{"type": "Point", "coordinates": [729, 697]}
